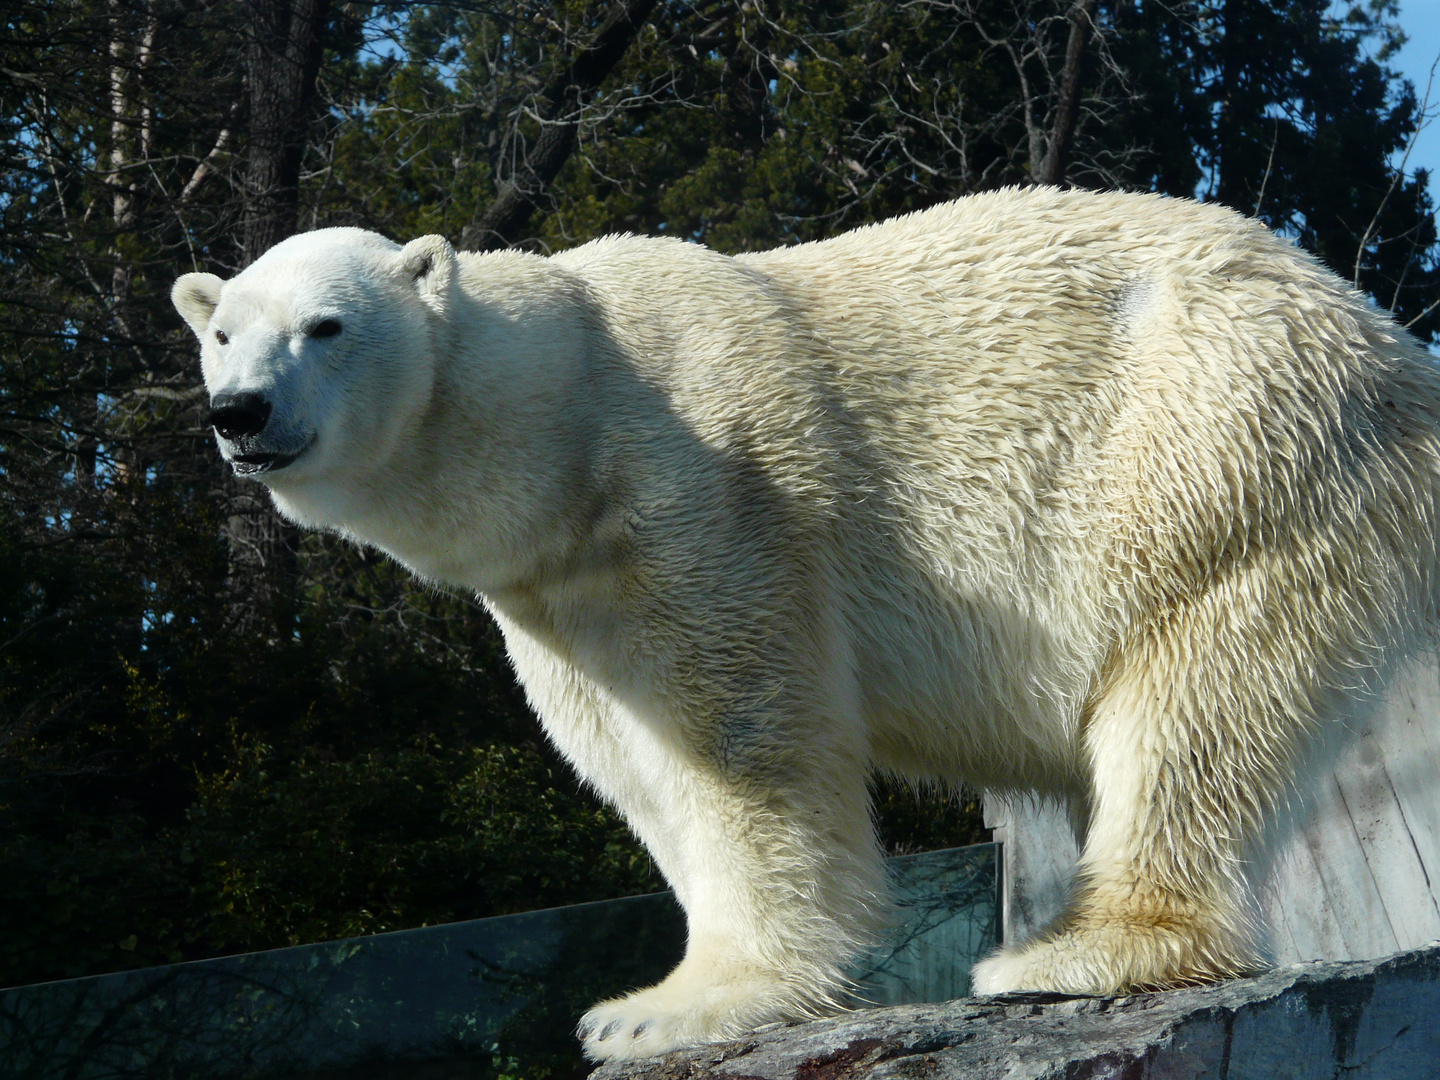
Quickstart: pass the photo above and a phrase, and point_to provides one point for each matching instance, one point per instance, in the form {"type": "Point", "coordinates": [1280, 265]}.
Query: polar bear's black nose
{"type": "Point", "coordinates": [234, 415]}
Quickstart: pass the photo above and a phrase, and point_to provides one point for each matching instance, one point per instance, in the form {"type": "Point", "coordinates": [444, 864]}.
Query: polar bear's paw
{"type": "Point", "coordinates": [1115, 958]}
{"type": "Point", "coordinates": [686, 1009]}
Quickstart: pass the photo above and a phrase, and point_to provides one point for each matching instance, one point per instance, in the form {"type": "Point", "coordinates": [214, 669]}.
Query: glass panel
{"type": "Point", "coordinates": [950, 912]}
{"type": "Point", "coordinates": [493, 998]}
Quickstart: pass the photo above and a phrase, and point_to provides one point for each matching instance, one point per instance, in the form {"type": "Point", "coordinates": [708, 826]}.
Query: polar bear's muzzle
{"type": "Point", "coordinates": [240, 421]}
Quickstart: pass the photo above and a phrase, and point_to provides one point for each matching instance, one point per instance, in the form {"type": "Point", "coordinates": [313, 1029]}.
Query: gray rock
{"type": "Point", "coordinates": [1363, 1020]}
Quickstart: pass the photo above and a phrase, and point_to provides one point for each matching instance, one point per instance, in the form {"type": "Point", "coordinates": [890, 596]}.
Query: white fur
{"type": "Point", "coordinates": [1109, 497]}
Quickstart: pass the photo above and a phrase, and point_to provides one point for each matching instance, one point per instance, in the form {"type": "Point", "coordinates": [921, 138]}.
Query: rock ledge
{"type": "Point", "coordinates": [1364, 1020]}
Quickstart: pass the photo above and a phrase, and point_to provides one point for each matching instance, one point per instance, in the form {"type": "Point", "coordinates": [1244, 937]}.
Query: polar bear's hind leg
{"type": "Point", "coordinates": [1190, 756]}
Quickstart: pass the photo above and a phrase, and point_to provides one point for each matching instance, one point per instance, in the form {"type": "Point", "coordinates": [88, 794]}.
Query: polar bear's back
{"type": "Point", "coordinates": [1028, 371]}
{"type": "Point", "coordinates": [1084, 363]}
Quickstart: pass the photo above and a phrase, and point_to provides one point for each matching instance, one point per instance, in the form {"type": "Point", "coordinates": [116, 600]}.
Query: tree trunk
{"type": "Point", "coordinates": [283, 59]}
{"type": "Point", "coordinates": [1067, 101]}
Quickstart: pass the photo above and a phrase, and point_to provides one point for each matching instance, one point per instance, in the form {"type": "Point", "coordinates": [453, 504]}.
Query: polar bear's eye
{"type": "Point", "coordinates": [222, 337]}
{"type": "Point", "coordinates": [325, 328]}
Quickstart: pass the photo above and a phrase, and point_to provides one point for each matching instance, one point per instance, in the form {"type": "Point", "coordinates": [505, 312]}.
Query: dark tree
{"type": "Point", "coordinates": [562, 102]}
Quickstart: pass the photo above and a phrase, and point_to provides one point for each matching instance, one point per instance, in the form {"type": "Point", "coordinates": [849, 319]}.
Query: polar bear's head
{"type": "Point", "coordinates": [319, 354]}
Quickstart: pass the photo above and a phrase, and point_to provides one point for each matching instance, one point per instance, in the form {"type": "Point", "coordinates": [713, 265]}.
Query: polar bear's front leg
{"type": "Point", "coordinates": [748, 785]}
{"type": "Point", "coordinates": [782, 886]}
{"type": "Point", "coordinates": [707, 998]}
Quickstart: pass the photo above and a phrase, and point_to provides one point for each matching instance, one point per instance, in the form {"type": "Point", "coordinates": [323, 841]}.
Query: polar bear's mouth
{"type": "Point", "coordinates": [252, 464]}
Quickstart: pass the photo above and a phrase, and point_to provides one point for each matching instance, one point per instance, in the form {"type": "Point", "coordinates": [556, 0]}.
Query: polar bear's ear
{"type": "Point", "coordinates": [195, 297]}
{"type": "Point", "coordinates": [429, 262]}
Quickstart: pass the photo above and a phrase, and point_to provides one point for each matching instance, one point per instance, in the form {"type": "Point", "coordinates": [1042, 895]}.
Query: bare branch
{"type": "Point", "coordinates": [1269, 167]}
{"type": "Point", "coordinates": [499, 226]}
{"type": "Point", "coordinates": [207, 164]}
{"type": "Point", "coordinates": [1372, 229]}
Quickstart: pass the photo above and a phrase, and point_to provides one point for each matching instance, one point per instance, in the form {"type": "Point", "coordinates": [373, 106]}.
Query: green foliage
{"type": "Point", "coordinates": [800, 135]}
{"type": "Point", "coordinates": [752, 125]}
{"type": "Point", "coordinates": [209, 795]}
{"type": "Point", "coordinates": [414, 837]}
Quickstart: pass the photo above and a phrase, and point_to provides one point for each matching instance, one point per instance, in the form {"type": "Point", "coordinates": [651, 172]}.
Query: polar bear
{"type": "Point", "coordinates": [1110, 497]}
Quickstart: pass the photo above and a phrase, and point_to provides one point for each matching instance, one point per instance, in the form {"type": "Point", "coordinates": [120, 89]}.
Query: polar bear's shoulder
{"type": "Point", "coordinates": [619, 253]}
{"type": "Point", "coordinates": [664, 276]}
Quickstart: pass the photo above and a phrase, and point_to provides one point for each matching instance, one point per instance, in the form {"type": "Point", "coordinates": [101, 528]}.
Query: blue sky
{"type": "Point", "coordinates": [1421, 22]}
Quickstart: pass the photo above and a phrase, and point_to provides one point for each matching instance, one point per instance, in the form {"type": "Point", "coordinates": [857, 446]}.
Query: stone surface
{"type": "Point", "coordinates": [1363, 1020]}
